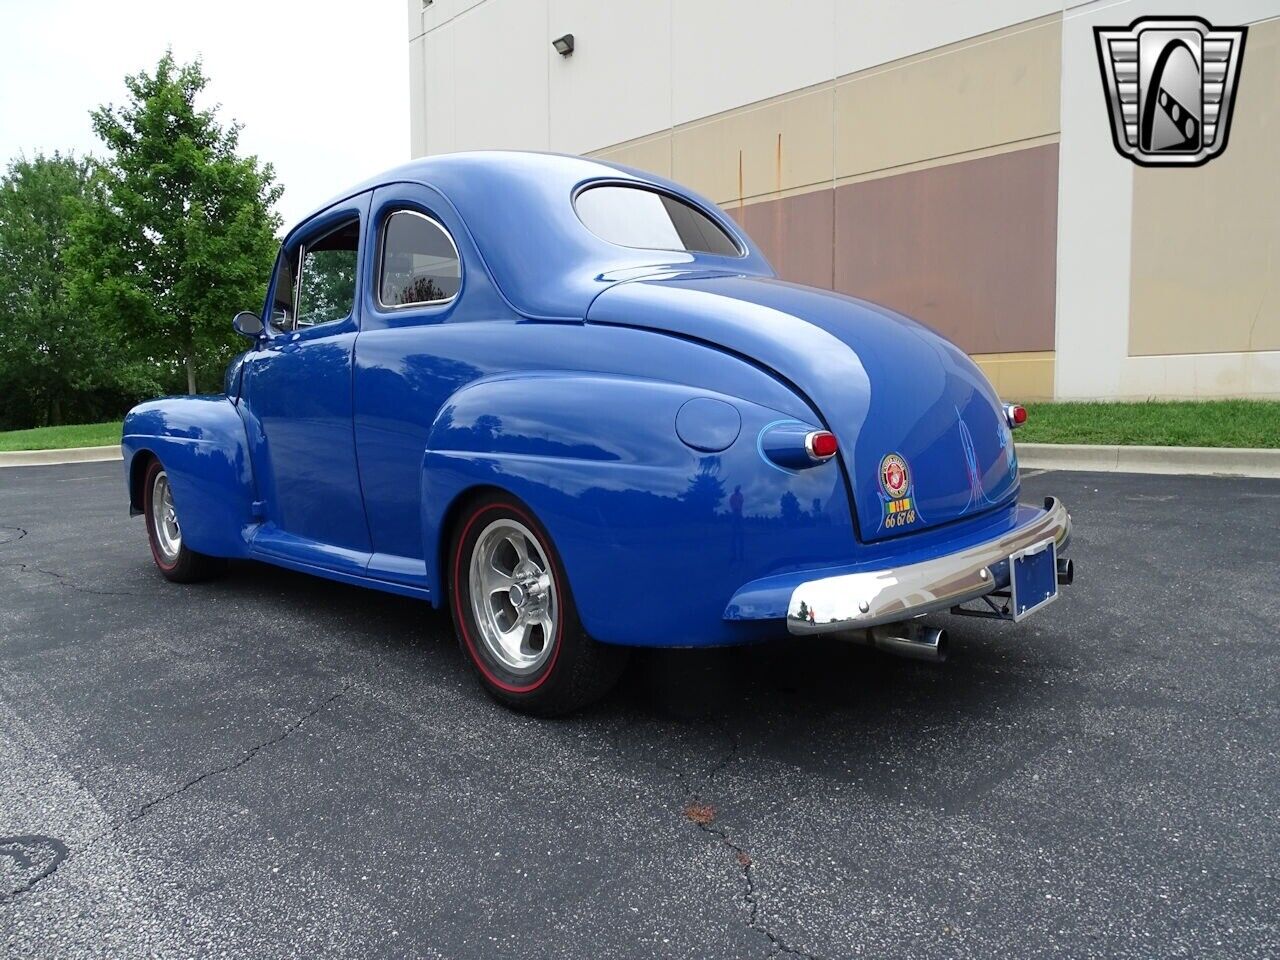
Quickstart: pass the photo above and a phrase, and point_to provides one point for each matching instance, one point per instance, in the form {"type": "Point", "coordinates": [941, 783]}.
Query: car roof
{"type": "Point", "coordinates": [517, 209]}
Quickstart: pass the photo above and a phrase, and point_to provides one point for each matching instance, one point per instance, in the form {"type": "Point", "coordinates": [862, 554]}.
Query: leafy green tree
{"type": "Point", "coordinates": [187, 237]}
{"type": "Point", "coordinates": [55, 361]}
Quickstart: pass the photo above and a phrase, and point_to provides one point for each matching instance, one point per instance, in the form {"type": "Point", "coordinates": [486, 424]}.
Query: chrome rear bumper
{"type": "Point", "coordinates": [855, 601]}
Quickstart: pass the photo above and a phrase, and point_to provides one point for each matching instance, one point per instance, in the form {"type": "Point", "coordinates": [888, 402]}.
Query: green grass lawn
{"type": "Point", "coordinates": [59, 438]}
{"type": "Point", "coordinates": [1205, 423]}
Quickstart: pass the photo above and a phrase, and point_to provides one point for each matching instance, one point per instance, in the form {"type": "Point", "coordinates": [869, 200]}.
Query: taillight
{"type": "Point", "coordinates": [793, 445]}
{"type": "Point", "coordinates": [1015, 415]}
{"type": "Point", "coordinates": [821, 445]}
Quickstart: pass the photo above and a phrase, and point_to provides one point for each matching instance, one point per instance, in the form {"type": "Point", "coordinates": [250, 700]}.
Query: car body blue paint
{"type": "Point", "coordinates": [884, 383]}
{"type": "Point", "coordinates": [203, 445]}
{"type": "Point", "coordinates": [650, 531]}
{"type": "Point", "coordinates": [297, 400]}
{"type": "Point", "coordinates": [625, 395]}
{"type": "Point", "coordinates": [707, 424]}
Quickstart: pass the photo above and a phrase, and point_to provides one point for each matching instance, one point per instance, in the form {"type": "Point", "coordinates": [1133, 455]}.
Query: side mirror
{"type": "Point", "coordinates": [247, 324]}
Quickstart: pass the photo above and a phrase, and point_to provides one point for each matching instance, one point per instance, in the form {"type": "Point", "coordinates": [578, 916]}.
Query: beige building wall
{"type": "Point", "coordinates": [928, 185]}
{"type": "Point", "coordinates": [999, 89]}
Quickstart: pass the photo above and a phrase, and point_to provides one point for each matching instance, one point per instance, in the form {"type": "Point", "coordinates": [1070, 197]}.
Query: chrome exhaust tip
{"type": "Point", "coordinates": [1066, 571]}
{"type": "Point", "coordinates": [911, 640]}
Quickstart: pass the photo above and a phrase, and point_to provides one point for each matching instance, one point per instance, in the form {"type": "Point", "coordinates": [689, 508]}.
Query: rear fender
{"type": "Point", "coordinates": [202, 443]}
{"type": "Point", "coordinates": [655, 535]}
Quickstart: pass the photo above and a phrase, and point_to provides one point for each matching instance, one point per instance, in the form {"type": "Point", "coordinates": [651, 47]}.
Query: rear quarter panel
{"type": "Point", "coordinates": [655, 536]}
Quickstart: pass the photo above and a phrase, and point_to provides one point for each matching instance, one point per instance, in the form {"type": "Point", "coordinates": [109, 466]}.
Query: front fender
{"type": "Point", "coordinates": [655, 535]}
{"type": "Point", "coordinates": [202, 443]}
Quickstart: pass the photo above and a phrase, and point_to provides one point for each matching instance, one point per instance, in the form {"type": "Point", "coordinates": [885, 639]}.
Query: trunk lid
{"type": "Point", "coordinates": [922, 435]}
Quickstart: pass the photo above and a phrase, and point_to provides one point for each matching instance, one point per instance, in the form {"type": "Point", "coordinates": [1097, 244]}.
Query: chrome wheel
{"type": "Point", "coordinates": [513, 596]}
{"type": "Point", "coordinates": [164, 519]}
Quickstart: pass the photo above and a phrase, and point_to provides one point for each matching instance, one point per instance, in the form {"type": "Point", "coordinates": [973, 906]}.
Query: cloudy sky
{"type": "Point", "coordinates": [321, 86]}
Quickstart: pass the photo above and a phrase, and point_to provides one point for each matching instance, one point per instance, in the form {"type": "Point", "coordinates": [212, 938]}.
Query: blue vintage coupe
{"type": "Point", "coordinates": [573, 402]}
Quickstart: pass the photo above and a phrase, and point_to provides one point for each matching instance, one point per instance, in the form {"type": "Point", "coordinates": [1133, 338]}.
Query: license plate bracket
{"type": "Point", "coordinates": [1033, 579]}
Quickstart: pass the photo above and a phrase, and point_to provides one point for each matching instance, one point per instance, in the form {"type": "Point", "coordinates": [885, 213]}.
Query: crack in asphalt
{"type": "Point", "coordinates": [63, 579]}
{"type": "Point", "coordinates": [750, 895]}
{"type": "Point", "coordinates": [66, 581]}
{"type": "Point", "coordinates": [151, 804]}
{"type": "Point", "coordinates": [231, 767]}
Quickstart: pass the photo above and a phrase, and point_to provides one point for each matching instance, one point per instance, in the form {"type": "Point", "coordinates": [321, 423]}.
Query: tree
{"type": "Point", "coordinates": [187, 237]}
{"type": "Point", "coordinates": [54, 359]}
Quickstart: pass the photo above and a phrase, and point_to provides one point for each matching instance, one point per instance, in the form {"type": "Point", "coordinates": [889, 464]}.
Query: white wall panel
{"type": "Point", "coordinates": [418, 110]}
{"type": "Point", "coordinates": [415, 18]}
{"type": "Point", "coordinates": [617, 84]}
{"type": "Point", "coordinates": [726, 53]}
{"type": "Point", "coordinates": [871, 32]}
{"type": "Point", "coordinates": [438, 80]}
{"type": "Point", "coordinates": [439, 12]}
{"type": "Point", "coordinates": [500, 59]}
{"type": "Point", "coordinates": [1095, 221]}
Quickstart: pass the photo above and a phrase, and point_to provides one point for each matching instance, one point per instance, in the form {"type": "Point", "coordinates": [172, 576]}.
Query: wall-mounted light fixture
{"type": "Point", "coordinates": [563, 45]}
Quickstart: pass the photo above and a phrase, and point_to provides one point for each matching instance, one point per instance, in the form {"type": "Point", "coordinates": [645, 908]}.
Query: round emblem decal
{"type": "Point", "coordinates": [895, 478]}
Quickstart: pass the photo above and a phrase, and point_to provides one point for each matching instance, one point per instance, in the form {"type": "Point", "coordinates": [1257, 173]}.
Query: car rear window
{"type": "Point", "coordinates": [637, 217]}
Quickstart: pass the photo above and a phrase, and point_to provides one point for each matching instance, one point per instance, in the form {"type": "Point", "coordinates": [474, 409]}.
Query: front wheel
{"type": "Point", "coordinates": [515, 616]}
{"type": "Point", "coordinates": [176, 560]}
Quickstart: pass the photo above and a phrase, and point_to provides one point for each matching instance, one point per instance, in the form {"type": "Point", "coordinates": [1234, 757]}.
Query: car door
{"type": "Point", "coordinates": [297, 391]}
{"type": "Point", "coordinates": [408, 361]}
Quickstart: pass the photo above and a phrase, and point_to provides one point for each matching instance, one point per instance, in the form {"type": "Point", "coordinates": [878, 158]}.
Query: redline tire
{"type": "Point", "coordinates": [571, 669]}
{"type": "Point", "coordinates": [180, 564]}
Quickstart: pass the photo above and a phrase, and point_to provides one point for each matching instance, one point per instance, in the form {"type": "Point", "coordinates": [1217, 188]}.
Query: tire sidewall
{"type": "Point", "coordinates": [154, 469]}
{"type": "Point", "coordinates": [499, 679]}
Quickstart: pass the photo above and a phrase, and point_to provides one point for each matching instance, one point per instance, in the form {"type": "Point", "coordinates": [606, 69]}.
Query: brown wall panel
{"type": "Point", "coordinates": [968, 248]}
{"type": "Point", "coordinates": [795, 233]}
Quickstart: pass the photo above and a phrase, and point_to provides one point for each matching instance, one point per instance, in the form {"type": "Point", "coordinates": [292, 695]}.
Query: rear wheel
{"type": "Point", "coordinates": [175, 559]}
{"type": "Point", "coordinates": [515, 616]}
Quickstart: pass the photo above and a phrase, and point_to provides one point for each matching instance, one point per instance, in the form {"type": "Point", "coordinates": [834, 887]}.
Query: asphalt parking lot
{"type": "Point", "coordinates": [276, 766]}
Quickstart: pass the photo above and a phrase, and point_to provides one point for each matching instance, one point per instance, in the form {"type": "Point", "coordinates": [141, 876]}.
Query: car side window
{"type": "Point", "coordinates": [420, 263]}
{"type": "Point", "coordinates": [327, 277]}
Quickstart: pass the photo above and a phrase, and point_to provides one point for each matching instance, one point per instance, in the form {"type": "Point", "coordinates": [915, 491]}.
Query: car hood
{"type": "Point", "coordinates": [922, 435]}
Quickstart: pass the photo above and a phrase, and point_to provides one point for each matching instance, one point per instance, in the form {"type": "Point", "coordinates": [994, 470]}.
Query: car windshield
{"type": "Point", "coordinates": [637, 217]}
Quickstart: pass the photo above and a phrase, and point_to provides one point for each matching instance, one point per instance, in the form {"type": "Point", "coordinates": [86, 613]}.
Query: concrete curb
{"type": "Point", "coordinates": [1197, 461]}
{"type": "Point", "coordinates": [49, 458]}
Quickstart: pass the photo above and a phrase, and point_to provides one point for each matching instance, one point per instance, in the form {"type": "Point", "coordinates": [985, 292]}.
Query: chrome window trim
{"type": "Point", "coordinates": [382, 249]}
{"type": "Point", "coordinates": [297, 286]}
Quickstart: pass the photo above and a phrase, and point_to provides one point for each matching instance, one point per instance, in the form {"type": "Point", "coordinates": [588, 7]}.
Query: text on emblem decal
{"type": "Point", "coordinates": [895, 492]}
